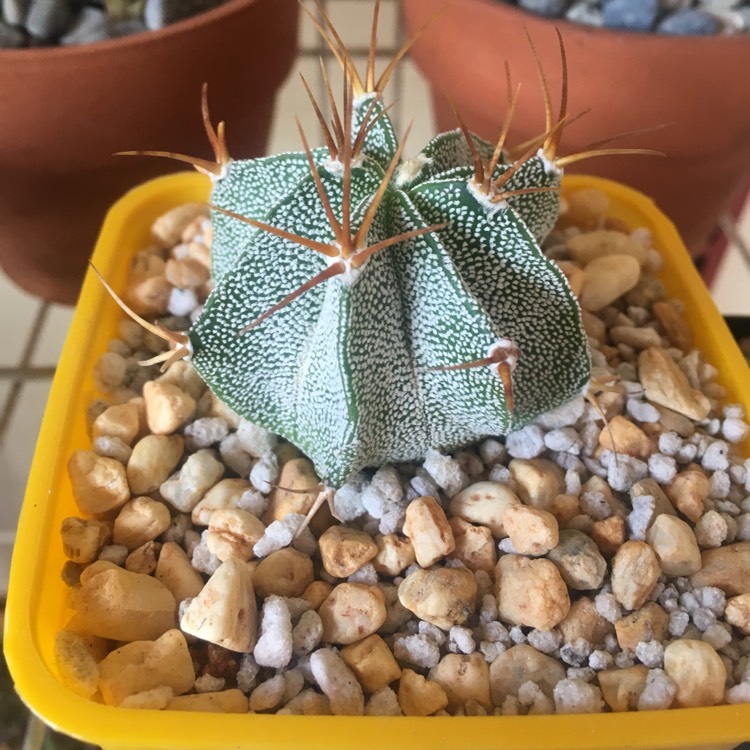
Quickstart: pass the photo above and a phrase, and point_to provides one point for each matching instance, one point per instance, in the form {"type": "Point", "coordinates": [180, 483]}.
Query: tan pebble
{"type": "Point", "coordinates": [594, 326]}
{"type": "Point", "coordinates": [153, 459]}
{"type": "Point", "coordinates": [727, 567]}
{"type": "Point", "coordinates": [143, 559]}
{"type": "Point", "coordinates": [186, 273]}
{"type": "Point", "coordinates": [574, 274]}
{"type": "Point", "coordinates": [184, 489]}
{"type": "Point", "coordinates": [352, 611]}
{"type": "Point", "coordinates": [649, 623]}
{"type": "Point", "coordinates": [140, 520]}
{"type": "Point", "coordinates": [666, 384]}
{"type": "Point", "coordinates": [124, 606]}
{"type": "Point", "coordinates": [184, 375]}
{"type": "Point", "coordinates": [343, 550]}
{"type": "Point", "coordinates": [607, 279]}
{"type": "Point", "coordinates": [737, 612]}
{"type": "Point", "coordinates": [226, 493]}
{"type": "Point", "coordinates": [538, 480]}
{"type": "Point", "coordinates": [144, 665]}
{"type": "Point", "coordinates": [119, 421]}
{"type": "Point", "coordinates": [623, 436]}
{"type": "Point", "coordinates": [520, 664]}
{"type": "Point", "coordinates": [609, 534]}
{"type": "Point", "coordinates": [200, 252]}
{"type": "Point", "coordinates": [99, 484]}
{"type": "Point", "coordinates": [225, 611]}
{"type": "Point", "coordinates": [146, 263]}
{"type": "Point", "coordinates": [688, 492]}
{"type": "Point", "coordinates": [394, 554]}
{"type": "Point", "coordinates": [168, 228]}
{"type": "Point", "coordinates": [285, 572]}
{"type": "Point", "coordinates": [532, 531]}
{"type": "Point", "coordinates": [530, 592]}
{"type": "Point", "coordinates": [464, 677]}
{"type": "Point", "coordinates": [176, 572]}
{"type": "Point", "coordinates": [674, 422]}
{"type": "Point", "coordinates": [711, 530]}
{"type": "Point", "coordinates": [648, 290]}
{"type": "Point", "coordinates": [635, 571]}
{"type": "Point", "coordinates": [168, 407]}
{"type": "Point", "coordinates": [621, 688]}
{"type": "Point", "coordinates": [233, 532]}
{"type": "Point", "coordinates": [475, 545]}
{"type": "Point", "coordinates": [337, 682]}
{"type": "Point", "coordinates": [444, 597]}
{"type": "Point", "coordinates": [75, 663]}
{"type": "Point", "coordinates": [579, 561]}
{"type": "Point", "coordinates": [675, 545]}
{"type": "Point", "coordinates": [428, 529]}
{"type": "Point", "coordinates": [637, 338]}
{"type": "Point", "coordinates": [675, 326]}
{"type": "Point", "coordinates": [564, 507]}
{"type": "Point", "coordinates": [698, 672]}
{"type": "Point", "coordinates": [372, 662]}
{"type": "Point", "coordinates": [149, 296]}
{"type": "Point", "coordinates": [585, 208]}
{"type": "Point", "coordinates": [484, 503]}
{"type": "Point", "coordinates": [230, 701]}
{"type": "Point", "coordinates": [316, 593]}
{"type": "Point", "coordinates": [298, 474]}
{"type": "Point", "coordinates": [419, 696]}
{"type": "Point", "coordinates": [82, 538]}
{"type": "Point", "coordinates": [583, 621]}
{"type": "Point", "coordinates": [588, 246]}
{"type": "Point", "coordinates": [155, 699]}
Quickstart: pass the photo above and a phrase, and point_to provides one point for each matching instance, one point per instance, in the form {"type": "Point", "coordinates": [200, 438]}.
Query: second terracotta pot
{"type": "Point", "coordinates": [66, 111]}
{"type": "Point", "coordinates": [696, 87]}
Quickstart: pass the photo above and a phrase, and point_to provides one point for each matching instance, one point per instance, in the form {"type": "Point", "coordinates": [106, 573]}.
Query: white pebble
{"type": "Point", "coordinates": [265, 472]}
{"type": "Point", "coordinates": [278, 534]}
{"type": "Point", "coordinates": [659, 692]}
{"type": "Point", "coordinates": [417, 649]}
{"type": "Point", "coordinates": [738, 694]}
{"type": "Point", "coordinates": [650, 654]}
{"type": "Point", "coordinates": [640, 518]}
{"type": "Point", "coordinates": [715, 456]}
{"type": "Point", "coordinates": [599, 660]}
{"type": "Point", "coordinates": [528, 442]}
{"type": "Point", "coordinates": [446, 472]}
{"type": "Point", "coordinates": [235, 456]}
{"type": "Point", "coordinates": [678, 622]}
{"type": "Point", "coordinates": [577, 697]}
{"type": "Point", "coordinates": [347, 502]}
{"type": "Point", "coordinates": [181, 302]}
{"type": "Point", "coordinates": [608, 607]}
{"type": "Point", "coordinates": [719, 485]}
{"type": "Point", "coordinates": [461, 640]}
{"type": "Point", "coordinates": [662, 469]}
{"type": "Point", "coordinates": [307, 633]}
{"type": "Point", "coordinates": [712, 598]}
{"type": "Point", "coordinates": [642, 410]}
{"type": "Point", "coordinates": [274, 646]}
{"type": "Point", "coordinates": [255, 440]}
{"type": "Point", "coordinates": [544, 641]}
{"type": "Point", "coordinates": [743, 527]}
{"type": "Point", "coordinates": [247, 673]}
{"type": "Point", "coordinates": [669, 443]}
{"type": "Point", "coordinates": [703, 618]}
{"type": "Point", "coordinates": [254, 502]}
{"type": "Point", "coordinates": [572, 483]}
{"type": "Point", "coordinates": [268, 695]}
{"type": "Point", "coordinates": [565, 415]}
{"type": "Point", "coordinates": [383, 703]}
{"type": "Point", "coordinates": [565, 439]}
{"type": "Point", "coordinates": [491, 451]}
{"type": "Point", "coordinates": [338, 683]}
{"type": "Point", "coordinates": [205, 432]}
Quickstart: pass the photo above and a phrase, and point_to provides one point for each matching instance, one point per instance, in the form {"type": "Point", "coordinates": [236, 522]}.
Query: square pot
{"type": "Point", "coordinates": [37, 608]}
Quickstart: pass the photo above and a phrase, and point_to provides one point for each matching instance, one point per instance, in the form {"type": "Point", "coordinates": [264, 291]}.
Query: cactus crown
{"type": "Point", "coordinates": [369, 307]}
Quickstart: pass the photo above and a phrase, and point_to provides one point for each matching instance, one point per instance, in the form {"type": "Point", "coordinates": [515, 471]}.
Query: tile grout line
{"type": "Point", "coordinates": [11, 402]}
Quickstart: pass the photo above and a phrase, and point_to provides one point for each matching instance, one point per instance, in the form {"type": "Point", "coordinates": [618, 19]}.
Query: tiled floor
{"type": "Point", "coordinates": [32, 332]}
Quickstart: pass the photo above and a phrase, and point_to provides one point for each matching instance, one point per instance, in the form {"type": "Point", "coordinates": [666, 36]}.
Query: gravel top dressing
{"type": "Point", "coordinates": [596, 560]}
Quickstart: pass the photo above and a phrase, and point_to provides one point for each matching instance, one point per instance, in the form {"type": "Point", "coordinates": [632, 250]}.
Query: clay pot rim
{"type": "Point", "coordinates": [641, 37]}
{"type": "Point", "coordinates": [56, 53]}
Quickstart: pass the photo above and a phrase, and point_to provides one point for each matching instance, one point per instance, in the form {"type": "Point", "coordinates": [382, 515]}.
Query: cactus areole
{"type": "Point", "coordinates": [369, 307]}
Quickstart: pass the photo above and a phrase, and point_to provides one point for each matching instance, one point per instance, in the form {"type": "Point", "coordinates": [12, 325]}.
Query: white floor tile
{"type": "Point", "coordinates": [17, 450]}
{"type": "Point", "coordinates": [52, 338]}
{"type": "Point", "coordinates": [17, 312]}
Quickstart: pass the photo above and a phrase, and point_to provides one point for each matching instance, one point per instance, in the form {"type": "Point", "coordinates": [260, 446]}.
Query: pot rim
{"type": "Point", "coordinates": [146, 38]}
{"type": "Point", "coordinates": [525, 16]}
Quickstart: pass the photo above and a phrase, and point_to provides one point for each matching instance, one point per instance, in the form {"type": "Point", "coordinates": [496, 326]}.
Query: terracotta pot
{"type": "Point", "coordinates": [696, 86]}
{"type": "Point", "coordinates": [66, 111]}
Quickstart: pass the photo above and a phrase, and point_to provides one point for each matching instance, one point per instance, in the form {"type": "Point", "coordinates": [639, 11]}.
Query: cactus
{"type": "Point", "coordinates": [368, 307]}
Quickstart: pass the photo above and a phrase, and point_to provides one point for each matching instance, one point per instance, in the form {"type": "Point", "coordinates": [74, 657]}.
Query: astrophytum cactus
{"type": "Point", "coordinates": [368, 307]}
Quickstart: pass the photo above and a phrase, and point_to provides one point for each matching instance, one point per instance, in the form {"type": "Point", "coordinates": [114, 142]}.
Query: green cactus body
{"type": "Point", "coordinates": [365, 368]}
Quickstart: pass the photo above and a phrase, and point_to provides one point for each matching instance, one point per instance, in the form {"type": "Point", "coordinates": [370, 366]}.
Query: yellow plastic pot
{"type": "Point", "coordinates": [36, 607]}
